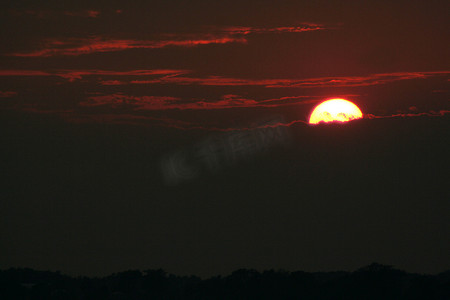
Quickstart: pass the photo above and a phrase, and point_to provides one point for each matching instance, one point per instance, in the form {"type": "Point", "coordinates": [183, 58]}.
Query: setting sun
{"type": "Point", "coordinates": [333, 110]}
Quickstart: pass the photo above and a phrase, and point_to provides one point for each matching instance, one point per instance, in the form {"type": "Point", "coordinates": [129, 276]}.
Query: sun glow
{"type": "Point", "coordinates": [335, 110]}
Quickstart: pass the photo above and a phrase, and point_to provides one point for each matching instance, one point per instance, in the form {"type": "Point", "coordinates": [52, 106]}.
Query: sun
{"type": "Point", "coordinates": [335, 110]}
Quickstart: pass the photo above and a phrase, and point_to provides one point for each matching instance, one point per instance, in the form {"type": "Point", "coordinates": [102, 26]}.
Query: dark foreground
{"type": "Point", "coordinates": [371, 282]}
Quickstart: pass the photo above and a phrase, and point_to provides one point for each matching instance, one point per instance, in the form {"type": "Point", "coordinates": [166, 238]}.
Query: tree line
{"type": "Point", "coordinates": [371, 282]}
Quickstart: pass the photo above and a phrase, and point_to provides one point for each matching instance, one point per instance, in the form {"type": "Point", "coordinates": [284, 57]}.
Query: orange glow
{"type": "Point", "coordinates": [333, 110]}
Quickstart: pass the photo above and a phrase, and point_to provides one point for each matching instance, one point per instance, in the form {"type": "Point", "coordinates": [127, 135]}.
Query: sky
{"type": "Point", "coordinates": [175, 135]}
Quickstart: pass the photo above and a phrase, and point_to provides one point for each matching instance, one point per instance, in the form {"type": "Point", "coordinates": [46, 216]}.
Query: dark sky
{"type": "Point", "coordinates": [174, 135]}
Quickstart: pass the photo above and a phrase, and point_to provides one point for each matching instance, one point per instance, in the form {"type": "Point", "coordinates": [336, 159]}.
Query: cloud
{"type": "Point", "coordinates": [163, 102]}
{"type": "Point", "coordinates": [24, 73]}
{"type": "Point", "coordinates": [179, 77]}
{"type": "Point", "coordinates": [137, 117]}
{"type": "Point", "coordinates": [112, 82]}
{"type": "Point", "coordinates": [7, 94]}
{"type": "Point", "coordinates": [119, 100]}
{"type": "Point", "coordinates": [431, 113]}
{"type": "Point", "coordinates": [303, 27]}
{"type": "Point", "coordinates": [80, 46]}
{"type": "Point", "coordinates": [134, 110]}
{"type": "Point", "coordinates": [75, 47]}
{"type": "Point", "coordinates": [347, 81]}
{"type": "Point", "coordinates": [41, 14]}
{"type": "Point", "coordinates": [72, 75]}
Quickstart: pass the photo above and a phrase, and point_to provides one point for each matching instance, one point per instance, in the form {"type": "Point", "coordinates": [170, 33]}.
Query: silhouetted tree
{"type": "Point", "coordinates": [374, 281]}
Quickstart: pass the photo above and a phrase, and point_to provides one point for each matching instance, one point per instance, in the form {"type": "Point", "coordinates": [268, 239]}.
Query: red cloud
{"type": "Point", "coordinates": [165, 103]}
{"type": "Point", "coordinates": [402, 115]}
{"type": "Point", "coordinates": [74, 47]}
{"type": "Point", "coordinates": [348, 81]}
{"type": "Point", "coordinates": [51, 13]}
{"type": "Point", "coordinates": [7, 94]}
{"type": "Point", "coordinates": [86, 13]}
{"type": "Point", "coordinates": [23, 73]}
{"type": "Point", "coordinates": [112, 82]}
{"type": "Point", "coordinates": [120, 100]}
{"type": "Point", "coordinates": [78, 74]}
{"type": "Point", "coordinates": [178, 77]}
{"type": "Point", "coordinates": [295, 29]}
{"type": "Point", "coordinates": [93, 13]}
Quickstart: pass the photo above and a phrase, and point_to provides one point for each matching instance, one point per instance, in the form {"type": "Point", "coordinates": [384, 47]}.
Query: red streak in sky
{"type": "Point", "coordinates": [348, 81]}
{"type": "Point", "coordinates": [74, 47]}
{"type": "Point", "coordinates": [78, 74]}
{"type": "Point", "coordinates": [77, 47]}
